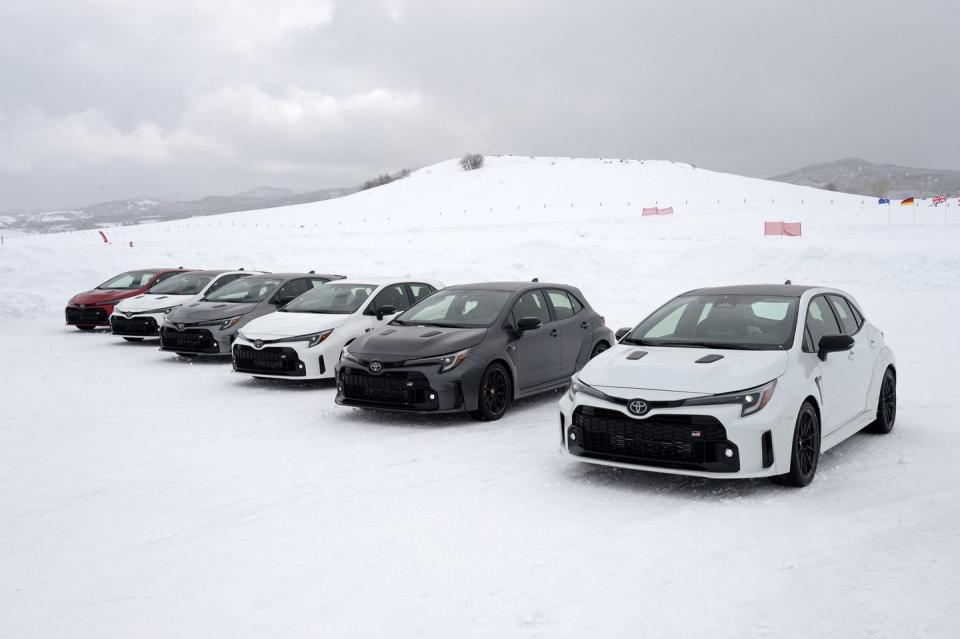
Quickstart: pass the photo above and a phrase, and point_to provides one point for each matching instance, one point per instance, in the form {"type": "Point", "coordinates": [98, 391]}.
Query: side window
{"type": "Point", "coordinates": [847, 320]}
{"type": "Point", "coordinates": [395, 296]}
{"type": "Point", "coordinates": [577, 306]}
{"type": "Point", "coordinates": [562, 306]}
{"type": "Point", "coordinates": [292, 290]}
{"type": "Point", "coordinates": [420, 291]}
{"type": "Point", "coordinates": [856, 313]}
{"type": "Point", "coordinates": [223, 281]}
{"type": "Point", "coordinates": [820, 321]}
{"type": "Point", "coordinates": [317, 281]}
{"type": "Point", "coordinates": [531, 304]}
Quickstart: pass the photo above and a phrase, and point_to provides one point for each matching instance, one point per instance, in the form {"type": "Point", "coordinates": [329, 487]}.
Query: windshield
{"type": "Point", "coordinates": [130, 280]}
{"type": "Point", "coordinates": [339, 299]}
{"type": "Point", "coordinates": [459, 308]}
{"type": "Point", "coordinates": [247, 290]}
{"type": "Point", "coordinates": [749, 322]}
{"type": "Point", "coordinates": [185, 284]}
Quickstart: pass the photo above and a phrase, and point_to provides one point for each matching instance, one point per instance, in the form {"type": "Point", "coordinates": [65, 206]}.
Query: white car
{"type": "Point", "coordinates": [139, 317]}
{"type": "Point", "coordinates": [303, 339]}
{"type": "Point", "coordinates": [742, 381]}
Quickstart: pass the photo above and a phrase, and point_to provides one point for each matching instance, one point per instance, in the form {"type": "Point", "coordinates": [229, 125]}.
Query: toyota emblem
{"type": "Point", "coordinates": [258, 343]}
{"type": "Point", "coordinates": [376, 367]}
{"type": "Point", "coordinates": [83, 306]}
{"type": "Point", "coordinates": [637, 407]}
{"type": "Point", "coordinates": [180, 326]}
{"type": "Point", "coordinates": [128, 315]}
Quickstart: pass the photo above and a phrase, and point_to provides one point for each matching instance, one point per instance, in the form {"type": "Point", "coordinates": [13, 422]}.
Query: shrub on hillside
{"type": "Point", "coordinates": [471, 161]}
{"type": "Point", "coordinates": [385, 178]}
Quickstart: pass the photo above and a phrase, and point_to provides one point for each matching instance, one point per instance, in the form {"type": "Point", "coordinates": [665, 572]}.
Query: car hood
{"type": "Point", "coordinates": [203, 311]}
{"type": "Point", "coordinates": [397, 343]}
{"type": "Point", "coordinates": [282, 324]}
{"type": "Point", "coordinates": [151, 301]}
{"type": "Point", "coordinates": [99, 295]}
{"type": "Point", "coordinates": [677, 370]}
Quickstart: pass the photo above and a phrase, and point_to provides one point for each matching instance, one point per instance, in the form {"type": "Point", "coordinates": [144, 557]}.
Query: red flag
{"type": "Point", "coordinates": [103, 236]}
{"type": "Point", "coordinates": [792, 229]}
{"type": "Point", "coordinates": [650, 211]}
{"type": "Point", "coordinates": [773, 228]}
{"type": "Point", "coordinates": [666, 211]}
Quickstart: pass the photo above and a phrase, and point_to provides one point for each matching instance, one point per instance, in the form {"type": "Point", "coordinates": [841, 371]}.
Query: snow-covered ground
{"type": "Point", "coordinates": [148, 496]}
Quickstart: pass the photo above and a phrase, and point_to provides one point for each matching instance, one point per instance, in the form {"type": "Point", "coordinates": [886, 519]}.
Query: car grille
{"type": "Point", "coordinates": [84, 316]}
{"type": "Point", "coordinates": [391, 388]}
{"type": "Point", "coordinates": [138, 325]}
{"type": "Point", "coordinates": [680, 441]}
{"type": "Point", "coordinates": [269, 361]}
{"type": "Point", "coordinates": [188, 341]}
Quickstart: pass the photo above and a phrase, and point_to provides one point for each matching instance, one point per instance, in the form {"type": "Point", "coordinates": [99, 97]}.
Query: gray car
{"type": "Point", "coordinates": [474, 348]}
{"type": "Point", "coordinates": [209, 326]}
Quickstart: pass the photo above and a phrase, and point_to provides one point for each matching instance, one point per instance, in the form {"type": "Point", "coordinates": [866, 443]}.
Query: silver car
{"type": "Point", "coordinates": [209, 326]}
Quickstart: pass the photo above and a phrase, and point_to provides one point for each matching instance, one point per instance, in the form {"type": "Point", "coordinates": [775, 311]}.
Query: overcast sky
{"type": "Point", "coordinates": [105, 99]}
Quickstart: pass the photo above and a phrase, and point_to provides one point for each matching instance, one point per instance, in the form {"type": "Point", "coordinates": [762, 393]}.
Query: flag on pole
{"type": "Point", "coordinates": [884, 200]}
{"type": "Point", "coordinates": [939, 199]}
{"type": "Point", "coordinates": [649, 211]}
{"type": "Point", "coordinates": [103, 236]}
{"type": "Point", "coordinates": [907, 202]}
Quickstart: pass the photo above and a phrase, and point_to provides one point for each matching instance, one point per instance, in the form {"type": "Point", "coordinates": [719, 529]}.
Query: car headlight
{"type": "Point", "coordinates": [346, 354]}
{"type": "Point", "coordinates": [230, 322]}
{"type": "Point", "coordinates": [577, 386]}
{"type": "Point", "coordinates": [751, 400]}
{"type": "Point", "coordinates": [318, 338]}
{"type": "Point", "coordinates": [110, 303]}
{"type": "Point", "coordinates": [446, 362]}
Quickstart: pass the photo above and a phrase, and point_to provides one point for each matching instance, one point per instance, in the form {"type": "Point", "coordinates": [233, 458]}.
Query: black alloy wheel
{"type": "Point", "coordinates": [805, 452]}
{"type": "Point", "coordinates": [886, 405]}
{"type": "Point", "coordinates": [495, 392]}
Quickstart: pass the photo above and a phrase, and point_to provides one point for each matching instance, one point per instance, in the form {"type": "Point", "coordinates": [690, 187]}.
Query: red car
{"type": "Point", "coordinates": [91, 309]}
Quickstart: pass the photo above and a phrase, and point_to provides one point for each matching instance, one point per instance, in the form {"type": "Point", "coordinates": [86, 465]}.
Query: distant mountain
{"type": "Point", "coordinates": [143, 210]}
{"type": "Point", "coordinates": [857, 176]}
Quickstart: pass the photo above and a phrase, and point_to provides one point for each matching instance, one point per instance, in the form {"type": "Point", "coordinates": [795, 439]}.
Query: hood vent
{"type": "Point", "coordinates": [709, 359]}
{"type": "Point", "coordinates": [637, 355]}
{"type": "Point", "coordinates": [389, 331]}
{"type": "Point", "coordinates": [432, 334]}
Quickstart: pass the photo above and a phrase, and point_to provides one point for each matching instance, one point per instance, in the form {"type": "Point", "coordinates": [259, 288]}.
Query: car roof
{"type": "Point", "coordinates": [290, 276]}
{"type": "Point", "coordinates": [509, 286]}
{"type": "Point", "coordinates": [779, 290]}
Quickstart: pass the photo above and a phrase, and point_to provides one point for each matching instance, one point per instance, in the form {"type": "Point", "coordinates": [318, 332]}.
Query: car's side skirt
{"type": "Point", "coordinates": [852, 427]}
{"type": "Point", "coordinates": [543, 388]}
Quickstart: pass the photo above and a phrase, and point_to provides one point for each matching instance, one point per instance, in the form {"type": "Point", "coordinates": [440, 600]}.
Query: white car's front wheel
{"type": "Point", "coordinates": [886, 405]}
{"type": "Point", "coordinates": [805, 452]}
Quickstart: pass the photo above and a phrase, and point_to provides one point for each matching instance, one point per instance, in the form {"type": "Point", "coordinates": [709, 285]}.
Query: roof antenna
{"type": "Point", "coordinates": [788, 283]}
{"type": "Point", "coordinates": [240, 269]}
{"type": "Point", "coordinates": [312, 272]}
{"type": "Point", "coordinates": [536, 279]}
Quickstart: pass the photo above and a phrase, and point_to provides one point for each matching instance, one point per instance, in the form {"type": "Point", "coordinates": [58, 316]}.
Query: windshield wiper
{"type": "Point", "coordinates": [638, 342]}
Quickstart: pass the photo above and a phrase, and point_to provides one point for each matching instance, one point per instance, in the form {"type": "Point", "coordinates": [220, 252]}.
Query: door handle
{"type": "Point", "coordinates": [584, 324]}
{"type": "Point", "coordinates": [873, 343]}
{"type": "Point", "coordinates": [851, 355]}
{"type": "Point", "coordinates": [554, 332]}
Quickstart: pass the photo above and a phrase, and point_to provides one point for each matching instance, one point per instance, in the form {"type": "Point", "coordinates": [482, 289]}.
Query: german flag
{"type": "Point", "coordinates": [907, 202]}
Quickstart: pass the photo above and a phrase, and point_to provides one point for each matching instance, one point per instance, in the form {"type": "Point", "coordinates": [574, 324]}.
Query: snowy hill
{"type": "Point", "coordinates": [143, 487]}
{"type": "Point", "coordinates": [853, 175]}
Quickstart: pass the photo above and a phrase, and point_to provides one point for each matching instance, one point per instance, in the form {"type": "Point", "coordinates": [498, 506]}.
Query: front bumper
{"type": "Point", "coordinates": [137, 325]}
{"type": "Point", "coordinates": [197, 339]}
{"type": "Point", "coordinates": [411, 389]}
{"type": "Point", "coordinates": [703, 441]}
{"type": "Point", "coordinates": [281, 360]}
{"type": "Point", "coordinates": [88, 315]}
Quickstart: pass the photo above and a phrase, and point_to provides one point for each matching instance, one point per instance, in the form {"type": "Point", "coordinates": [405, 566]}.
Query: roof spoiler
{"type": "Point", "coordinates": [788, 283]}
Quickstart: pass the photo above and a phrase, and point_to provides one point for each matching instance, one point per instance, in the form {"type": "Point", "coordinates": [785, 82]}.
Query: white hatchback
{"type": "Point", "coordinates": [303, 339]}
{"type": "Point", "coordinates": [741, 381]}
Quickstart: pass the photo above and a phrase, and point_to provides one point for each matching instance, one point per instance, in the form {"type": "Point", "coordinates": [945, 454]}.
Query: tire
{"type": "Point", "coordinates": [599, 348]}
{"type": "Point", "coordinates": [133, 339]}
{"type": "Point", "coordinates": [494, 394]}
{"type": "Point", "coordinates": [86, 328]}
{"type": "Point", "coordinates": [805, 452]}
{"type": "Point", "coordinates": [886, 405]}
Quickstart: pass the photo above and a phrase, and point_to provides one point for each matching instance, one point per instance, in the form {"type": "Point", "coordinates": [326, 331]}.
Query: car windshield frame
{"type": "Point", "coordinates": [325, 289]}
{"type": "Point", "coordinates": [407, 317]}
{"type": "Point", "coordinates": [248, 282]}
{"type": "Point", "coordinates": [639, 335]}
{"type": "Point", "coordinates": [176, 278]}
{"type": "Point", "coordinates": [139, 277]}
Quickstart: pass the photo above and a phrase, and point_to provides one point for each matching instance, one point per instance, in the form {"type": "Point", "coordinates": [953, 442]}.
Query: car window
{"type": "Point", "coordinates": [394, 295]}
{"type": "Point", "coordinates": [847, 320]}
{"type": "Point", "coordinates": [420, 291]}
{"type": "Point", "coordinates": [562, 306]}
{"type": "Point", "coordinates": [577, 304]}
{"type": "Point", "coordinates": [166, 276]}
{"type": "Point", "coordinates": [668, 325]}
{"type": "Point", "coordinates": [245, 290]}
{"type": "Point", "coordinates": [820, 321]}
{"type": "Point", "coordinates": [223, 281]}
{"type": "Point", "coordinates": [457, 307]}
{"type": "Point", "coordinates": [130, 280]}
{"type": "Point", "coordinates": [316, 282]}
{"type": "Point", "coordinates": [292, 290]}
{"type": "Point", "coordinates": [183, 284]}
{"type": "Point", "coordinates": [333, 298]}
{"type": "Point", "coordinates": [531, 304]}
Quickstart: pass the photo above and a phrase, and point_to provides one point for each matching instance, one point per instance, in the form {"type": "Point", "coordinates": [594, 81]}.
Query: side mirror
{"type": "Point", "coordinates": [525, 324]}
{"type": "Point", "coordinates": [833, 344]}
{"type": "Point", "coordinates": [385, 310]}
{"type": "Point", "coordinates": [622, 332]}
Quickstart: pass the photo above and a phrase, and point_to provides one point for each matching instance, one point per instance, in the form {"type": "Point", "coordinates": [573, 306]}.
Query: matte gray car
{"type": "Point", "coordinates": [474, 348]}
{"type": "Point", "coordinates": [209, 326]}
